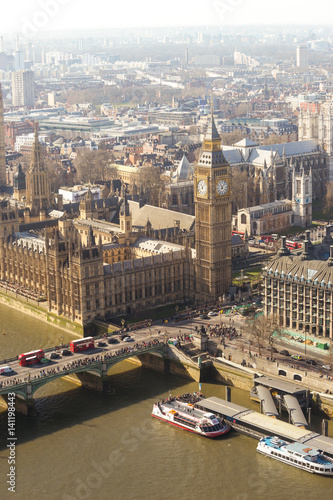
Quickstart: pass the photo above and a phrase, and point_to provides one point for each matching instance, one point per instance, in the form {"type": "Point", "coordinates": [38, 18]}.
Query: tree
{"type": "Point", "coordinates": [239, 185]}
{"type": "Point", "coordinates": [328, 198]}
{"type": "Point", "coordinates": [150, 180]}
{"type": "Point", "coordinates": [93, 166]}
{"type": "Point", "coordinates": [264, 331]}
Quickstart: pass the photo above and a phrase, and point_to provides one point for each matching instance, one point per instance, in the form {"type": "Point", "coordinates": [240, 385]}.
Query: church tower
{"type": "Point", "coordinates": [302, 197]}
{"type": "Point", "coordinates": [213, 219]}
{"type": "Point", "coordinates": [125, 218]}
{"type": "Point", "coordinates": [38, 193]}
{"type": "Point", "coordinates": [2, 145]}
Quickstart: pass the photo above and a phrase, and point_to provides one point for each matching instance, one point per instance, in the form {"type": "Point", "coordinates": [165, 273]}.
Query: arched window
{"type": "Point", "coordinates": [243, 219]}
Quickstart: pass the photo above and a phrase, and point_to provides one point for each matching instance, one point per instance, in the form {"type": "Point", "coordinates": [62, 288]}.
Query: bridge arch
{"type": "Point", "coordinates": [283, 373]}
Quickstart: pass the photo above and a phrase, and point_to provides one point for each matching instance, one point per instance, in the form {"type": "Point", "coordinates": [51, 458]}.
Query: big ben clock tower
{"type": "Point", "coordinates": [212, 219]}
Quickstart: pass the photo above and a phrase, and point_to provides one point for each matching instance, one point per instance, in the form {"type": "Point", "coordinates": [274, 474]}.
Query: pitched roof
{"type": "Point", "coordinates": [212, 132]}
{"type": "Point", "coordinates": [245, 143]}
{"type": "Point", "coordinates": [184, 169]}
{"type": "Point", "coordinates": [160, 218]}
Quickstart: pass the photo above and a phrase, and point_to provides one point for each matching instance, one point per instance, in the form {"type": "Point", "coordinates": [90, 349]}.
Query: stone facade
{"type": "Point", "coordinates": [213, 220]}
{"type": "Point", "coordinates": [298, 287]}
{"type": "Point", "coordinates": [80, 280]}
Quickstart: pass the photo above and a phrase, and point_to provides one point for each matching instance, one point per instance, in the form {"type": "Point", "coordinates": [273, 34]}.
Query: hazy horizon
{"type": "Point", "coordinates": [40, 17]}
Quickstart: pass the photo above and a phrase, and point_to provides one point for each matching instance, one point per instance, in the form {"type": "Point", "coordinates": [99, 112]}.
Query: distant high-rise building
{"type": "Point", "coordinates": [186, 56]}
{"type": "Point", "coordinates": [23, 88]}
{"type": "Point", "coordinates": [302, 57]}
{"type": "Point", "coordinates": [18, 60]}
{"type": "Point", "coordinates": [2, 145]}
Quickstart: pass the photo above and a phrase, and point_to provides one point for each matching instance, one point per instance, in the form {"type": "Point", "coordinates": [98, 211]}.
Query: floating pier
{"type": "Point", "coordinates": [257, 425]}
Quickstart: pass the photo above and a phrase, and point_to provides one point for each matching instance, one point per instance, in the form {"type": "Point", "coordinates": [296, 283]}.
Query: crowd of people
{"type": "Point", "coordinates": [77, 363]}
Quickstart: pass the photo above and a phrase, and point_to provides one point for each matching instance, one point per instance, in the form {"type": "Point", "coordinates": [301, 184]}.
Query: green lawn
{"type": "Point", "coordinates": [318, 211]}
{"type": "Point", "coordinates": [251, 274]}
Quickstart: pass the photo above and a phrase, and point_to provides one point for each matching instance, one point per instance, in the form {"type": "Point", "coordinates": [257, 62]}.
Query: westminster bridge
{"type": "Point", "coordinates": [91, 368]}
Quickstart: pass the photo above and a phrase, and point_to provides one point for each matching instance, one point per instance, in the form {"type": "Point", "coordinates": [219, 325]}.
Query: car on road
{"type": "Point", "coordinates": [212, 313]}
{"type": "Point", "coordinates": [274, 349]}
{"type": "Point", "coordinates": [54, 355]}
{"type": "Point", "coordinates": [326, 367]}
{"type": "Point", "coordinates": [284, 352]}
{"type": "Point", "coordinates": [101, 344]}
{"type": "Point", "coordinates": [311, 362]}
{"type": "Point", "coordinates": [128, 339]}
{"type": "Point", "coordinates": [112, 340]}
{"type": "Point", "coordinates": [297, 357]}
{"type": "Point", "coordinates": [66, 352]}
{"type": "Point", "coordinates": [203, 316]}
{"type": "Point", "coordinates": [6, 370]}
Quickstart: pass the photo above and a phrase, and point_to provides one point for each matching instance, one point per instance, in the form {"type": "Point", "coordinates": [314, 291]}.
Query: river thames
{"type": "Point", "coordinates": [86, 445]}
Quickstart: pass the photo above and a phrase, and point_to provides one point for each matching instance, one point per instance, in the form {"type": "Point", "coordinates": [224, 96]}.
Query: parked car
{"type": "Point", "coordinates": [112, 340]}
{"type": "Point", "coordinates": [326, 367]}
{"type": "Point", "coordinates": [284, 352]}
{"type": "Point", "coordinates": [54, 355]}
{"type": "Point", "coordinates": [311, 362]}
{"type": "Point", "coordinates": [212, 313]}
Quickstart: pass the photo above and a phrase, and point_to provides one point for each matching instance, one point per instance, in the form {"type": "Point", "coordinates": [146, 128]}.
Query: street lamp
{"type": "Point", "coordinates": [122, 323]}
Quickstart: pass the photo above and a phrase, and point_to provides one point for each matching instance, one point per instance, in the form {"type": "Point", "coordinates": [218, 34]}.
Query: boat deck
{"type": "Point", "coordinates": [184, 409]}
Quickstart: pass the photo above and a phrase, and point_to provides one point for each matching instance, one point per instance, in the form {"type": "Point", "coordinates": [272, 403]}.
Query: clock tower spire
{"type": "Point", "coordinates": [213, 219]}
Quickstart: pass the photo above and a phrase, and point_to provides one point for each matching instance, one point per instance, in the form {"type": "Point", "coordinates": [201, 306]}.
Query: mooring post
{"type": "Point", "coordinates": [324, 427]}
{"type": "Point", "coordinates": [309, 416]}
{"type": "Point", "coordinates": [228, 394]}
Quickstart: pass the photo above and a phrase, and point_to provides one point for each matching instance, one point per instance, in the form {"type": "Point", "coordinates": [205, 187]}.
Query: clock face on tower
{"type": "Point", "coordinates": [202, 188]}
{"type": "Point", "coordinates": [222, 188]}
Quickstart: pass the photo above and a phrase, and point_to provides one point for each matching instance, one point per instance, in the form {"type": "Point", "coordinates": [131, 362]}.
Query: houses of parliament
{"type": "Point", "coordinates": [89, 268]}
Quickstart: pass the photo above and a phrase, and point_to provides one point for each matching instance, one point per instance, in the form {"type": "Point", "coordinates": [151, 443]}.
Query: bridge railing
{"type": "Point", "coordinates": [82, 367]}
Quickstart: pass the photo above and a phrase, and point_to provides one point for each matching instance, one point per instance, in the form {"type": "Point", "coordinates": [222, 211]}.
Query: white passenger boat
{"type": "Point", "coordinates": [186, 416]}
{"type": "Point", "coordinates": [296, 454]}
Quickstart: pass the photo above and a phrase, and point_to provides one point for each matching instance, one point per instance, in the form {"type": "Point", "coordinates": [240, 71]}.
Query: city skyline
{"type": "Point", "coordinates": [43, 16]}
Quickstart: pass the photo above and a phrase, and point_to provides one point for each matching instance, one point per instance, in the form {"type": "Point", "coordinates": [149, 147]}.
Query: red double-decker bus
{"type": "Point", "coordinates": [292, 244]}
{"type": "Point", "coordinates": [82, 344]}
{"type": "Point", "coordinates": [31, 358]}
{"type": "Point", "coordinates": [234, 233]}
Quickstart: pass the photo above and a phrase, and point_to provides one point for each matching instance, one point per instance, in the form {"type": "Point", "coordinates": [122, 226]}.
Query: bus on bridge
{"type": "Point", "coordinates": [31, 358]}
{"type": "Point", "coordinates": [82, 344]}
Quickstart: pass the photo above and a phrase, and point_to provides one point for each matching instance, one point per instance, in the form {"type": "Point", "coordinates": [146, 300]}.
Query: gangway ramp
{"type": "Point", "coordinates": [268, 404]}
{"type": "Point", "coordinates": [295, 411]}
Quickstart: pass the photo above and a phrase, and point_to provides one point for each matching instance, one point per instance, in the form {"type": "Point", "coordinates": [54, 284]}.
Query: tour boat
{"type": "Point", "coordinates": [185, 415]}
{"type": "Point", "coordinates": [296, 454]}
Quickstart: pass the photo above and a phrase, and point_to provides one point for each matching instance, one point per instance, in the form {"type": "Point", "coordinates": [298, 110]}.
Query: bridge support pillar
{"type": "Point", "coordinates": [100, 384]}
{"type": "Point", "coordinates": [24, 406]}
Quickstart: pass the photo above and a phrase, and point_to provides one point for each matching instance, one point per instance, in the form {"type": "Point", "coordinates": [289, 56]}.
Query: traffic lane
{"type": "Point", "coordinates": [24, 371]}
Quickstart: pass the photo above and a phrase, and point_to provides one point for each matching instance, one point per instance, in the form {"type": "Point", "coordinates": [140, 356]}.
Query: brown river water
{"type": "Point", "coordinates": [86, 445]}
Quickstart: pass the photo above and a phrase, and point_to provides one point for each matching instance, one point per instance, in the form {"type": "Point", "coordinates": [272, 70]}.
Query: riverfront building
{"type": "Point", "coordinates": [298, 287]}
{"type": "Point", "coordinates": [89, 268]}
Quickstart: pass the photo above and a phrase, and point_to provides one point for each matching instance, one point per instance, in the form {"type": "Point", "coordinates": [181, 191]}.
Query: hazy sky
{"type": "Point", "coordinates": [34, 16]}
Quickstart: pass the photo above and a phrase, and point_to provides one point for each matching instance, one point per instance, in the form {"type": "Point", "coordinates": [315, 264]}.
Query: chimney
{"type": "Point", "coordinates": [328, 237]}
{"type": "Point", "coordinates": [284, 250]}
{"type": "Point", "coordinates": [330, 260]}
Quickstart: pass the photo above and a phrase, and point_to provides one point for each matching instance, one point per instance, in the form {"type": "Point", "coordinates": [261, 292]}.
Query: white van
{"type": "Point", "coordinates": [4, 370]}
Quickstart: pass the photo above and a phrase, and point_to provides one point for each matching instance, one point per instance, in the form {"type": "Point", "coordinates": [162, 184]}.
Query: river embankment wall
{"type": "Point", "coordinates": [38, 311]}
